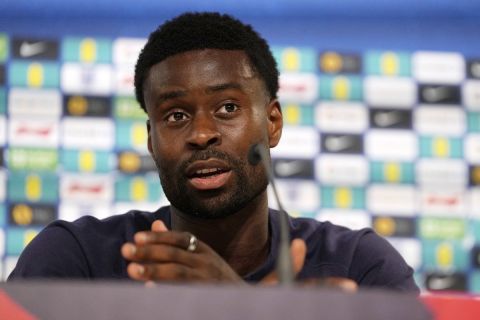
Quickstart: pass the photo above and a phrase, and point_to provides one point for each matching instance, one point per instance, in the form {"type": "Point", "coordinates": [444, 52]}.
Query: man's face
{"type": "Point", "coordinates": [206, 108]}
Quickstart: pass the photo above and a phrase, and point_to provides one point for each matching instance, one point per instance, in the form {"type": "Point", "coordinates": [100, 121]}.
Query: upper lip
{"type": "Point", "coordinates": [206, 164]}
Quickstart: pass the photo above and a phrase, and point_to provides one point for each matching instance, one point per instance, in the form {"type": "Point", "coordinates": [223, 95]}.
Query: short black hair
{"type": "Point", "coordinates": [206, 30]}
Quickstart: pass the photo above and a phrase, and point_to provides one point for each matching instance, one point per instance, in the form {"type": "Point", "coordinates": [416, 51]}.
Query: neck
{"type": "Point", "coordinates": [241, 239]}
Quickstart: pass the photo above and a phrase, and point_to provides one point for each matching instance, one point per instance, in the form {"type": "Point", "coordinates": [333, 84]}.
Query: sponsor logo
{"type": "Point", "coordinates": [144, 188]}
{"type": "Point", "coordinates": [306, 141]}
{"type": "Point", "coordinates": [474, 175]}
{"type": "Point", "coordinates": [395, 200]}
{"type": "Point", "coordinates": [451, 174]}
{"type": "Point", "coordinates": [293, 168]}
{"type": "Point", "coordinates": [299, 87]}
{"type": "Point", "coordinates": [439, 120]}
{"type": "Point", "coordinates": [335, 62]}
{"type": "Point", "coordinates": [296, 195]}
{"type": "Point", "coordinates": [392, 172]}
{"type": "Point", "coordinates": [87, 79]}
{"type": "Point", "coordinates": [443, 202]}
{"type": "Point", "coordinates": [440, 147]}
{"type": "Point", "coordinates": [131, 135]}
{"type": "Point", "coordinates": [445, 254]}
{"type": "Point", "coordinates": [298, 114]}
{"type": "Point", "coordinates": [21, 214]}
{"type": "Point", "coordinates": [72, 211]}
{"type": "Point", "coordinates": [32, 159]}
{"type": "Point", "coordinates": [341, 88]}
{"type": "Point", "coordinates": [473, 121]}
{"type": "Point", "coordinates": [387, 63]}
{"type": "Point", "coordinates": [80, 106]}
{"type": "Point", "coordinates": [34, 49]}
{"type": "Point", "coordinates": [18, 238]}
{"type": "Point", "coordinates": [446, 282]}
{"type": "Point", "coordinates": [342, 143]}
{"type": "Point", "coordinates": [23, 131]}
{"type": "Point", "coordinates": [472, 148]}
{"type": "Point", "coordinates": [292, 59]}
{"type": "Point", "coordinates": [86, 188]}
{"type": "Point", "coordinates": [442, 228]}
{"type": "Point", "coordinates": [124, 78]}
{"type": "Point", "coordinates": [390, 92]}
{"type": "Point", "coordinates": [4, 47]}
{"type": "Point", "coordinates": [342, 170]}
{"type": "Point", "coordinates": [391, 145]}
{"type": "Point", "coordinates": [352, 219]}
{"type": "Point", "coordinates": [475, 207]}
{"type": "Point", "coordinates": [128, 108]}
{"type": "Point", "coordinates": [473, 68]}
{"type": "Point", "coordinates": [343, 197]}
{"type": "Point", "coordinates": [32, 187]}
{"type": "Point", "coordinates": [89, 133]}
{"type": "Point", "coordinates": [390, 226]}
{"type": "Point", "coordinates": [33, 103]}
{"type": "Point", "coordinates": [409, 249]}
{"type": "Point", "coordinates": [127, 50]}
{"type": "Point", "coordinates": [87, 160]}
{"type": "Point", "coordinates": [34, 74]}
{"type": "Point", "coordinates": [87, 50]}
{"type": "Point", "coordinates": [471, 94]}
{"type": "Point", "coordinates": [3, 124]}
{"type": "Point", "coordinates": [438, 67]}
{"type": "Point", "coordinates": [439, 94]}
{"type": "Point", "coordinates": [131, 162]}
{"type": "Point", "coordinates": [341, 117]}
{"type": "Point", "coordinates": [388, 119]}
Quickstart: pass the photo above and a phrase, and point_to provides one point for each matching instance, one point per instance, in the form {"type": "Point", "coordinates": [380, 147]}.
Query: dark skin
{"type": "Point", "coordinates": [199, 100]}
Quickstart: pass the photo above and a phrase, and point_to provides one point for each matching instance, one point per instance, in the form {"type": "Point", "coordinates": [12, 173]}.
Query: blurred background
{"type": "Point", "coordinates": [381, 102]}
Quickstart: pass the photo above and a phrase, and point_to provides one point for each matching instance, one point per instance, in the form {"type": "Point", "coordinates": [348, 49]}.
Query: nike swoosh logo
{"type": "Point", "coordinates": [435, 94]}
{"type": "Point", "coordinates": [32, 49]}
{"type": "Point", "coordinates": [288, 169]}
{"type": "Point", "coordinates": [387, 119]}
{"type": "Point", "coordinates": [336, 144]}
{"type": "Point", "coordinates": [441, 283]}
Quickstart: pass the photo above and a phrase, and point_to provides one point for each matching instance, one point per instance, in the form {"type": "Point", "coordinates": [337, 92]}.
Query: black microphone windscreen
{"type": "Point", "coordinates": [254, 156]}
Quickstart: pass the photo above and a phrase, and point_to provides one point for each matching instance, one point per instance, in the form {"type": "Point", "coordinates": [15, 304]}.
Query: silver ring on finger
{"type": "Point", "coordinates": [192, 243]}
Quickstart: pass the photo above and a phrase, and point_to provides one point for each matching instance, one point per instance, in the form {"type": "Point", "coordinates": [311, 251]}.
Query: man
{"type": "Point", "coordinates": [209, 86]}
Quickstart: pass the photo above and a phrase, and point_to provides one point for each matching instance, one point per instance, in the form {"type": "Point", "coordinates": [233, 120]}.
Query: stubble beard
{"type": "Point", "coordinates": [249, 183]}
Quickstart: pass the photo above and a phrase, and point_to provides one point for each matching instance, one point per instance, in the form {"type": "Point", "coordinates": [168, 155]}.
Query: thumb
{"type": "Point", "coordinates": [298, 251]}
{"type": "Point", "coordinates": [159, 226]}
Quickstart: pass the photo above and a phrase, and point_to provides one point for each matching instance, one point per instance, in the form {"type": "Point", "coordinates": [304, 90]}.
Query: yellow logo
{"type": "Point", "coordinates": [292, 114]}
{"type": "Point", "coordinates": [35, 75]}
{"type": "Point", "coordinates": [88, 50]}
{"type": "Point", "coordinates": [33, 187]}
{"type": "Point", "coordinates": [385, 226]}
{"type": "Point", "coordinates": [291, 59]}
{"type": "Point", "coordinates": [341, 88]}
{"type": "Point", "coordinates": [139, 135]}
{"type": "Point", "coordinates": [331, 62]}
{"type": "Point", "coordinates": [476, 175]}
{"type": "Point", "coordinates": [28, 236]}
{"type": "Point", "coordinates": [392, 172]}
{"type": "Point", "coordinates": [343, 197]}
{"type": "Point", "coordinates": [77, 105]}
{"type": "Point", "coordinates": [129, 162]}
{"type": "Point", "coordinates": [22, 214]}
{"type": "Point", "coordinates": [139, 190]}
{"type": "Point", "coordinates": [444, 254]}
{"type": "Point", "coordinates": [389, 64]}
{"type": "Point", "coordinates": [86, 161]}
{"type": "Point", "coordinates": [441, 147]}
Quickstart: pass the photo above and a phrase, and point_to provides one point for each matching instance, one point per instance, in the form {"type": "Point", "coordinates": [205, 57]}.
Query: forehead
{"type": "Point", "coordinates": [199, 67]}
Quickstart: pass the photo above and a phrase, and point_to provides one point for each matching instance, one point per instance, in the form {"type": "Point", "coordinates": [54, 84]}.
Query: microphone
{"type": "Point", "coordinates": [256, 154]}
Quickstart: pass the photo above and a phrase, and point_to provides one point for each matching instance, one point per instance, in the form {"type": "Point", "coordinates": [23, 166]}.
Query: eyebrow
{"type": "Point", "coordinates": [161, 98]}
{"type": "Point", "coordinates": [224, 86]}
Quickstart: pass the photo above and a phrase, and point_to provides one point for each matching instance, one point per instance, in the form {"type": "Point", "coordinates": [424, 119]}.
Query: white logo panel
{"type": "Point", "coordinates": [341, 117]}
{"type": "Point", "coordinates": [393, 145]}
{"type": "Point", "coordinates": [398, 93]}
{"type": "Point", "coordinates": [87, 79]}
{"type": "Point", "coordinates": [297, 142]}
{"type": "Point", "coordinates": [127, 50]}
{"type": "Point", "coordinates": [392, 200]}
{"type": "Point", "coordinates": [34, 103]}
{"type": "Point", "coordinates": [439, 120]}
{"type": "Point", "coordinates": [443, 202]}
{"type": "Point", "coordinates": [471, 94]}
{"type": "Point", "coordinates": [342, 170]}
{"type": "Point", "coordinates": [442, 173]}
{"type": "Point", "coordinates": [23, 131]}
{"type": "Point", "coordinates": [86, 188]}
{"type": "Point", "coordinates": [88, 133]}
{"type": "Point", "coordinates": [438, 67]}
{"type": "Point", "coordinates": [299, 87]}
{"type": "Point", "coordinates": [300, 195]}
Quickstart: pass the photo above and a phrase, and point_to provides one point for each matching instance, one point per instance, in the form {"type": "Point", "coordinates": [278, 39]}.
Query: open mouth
{"type": "Point", "coordinates": [208, 175]}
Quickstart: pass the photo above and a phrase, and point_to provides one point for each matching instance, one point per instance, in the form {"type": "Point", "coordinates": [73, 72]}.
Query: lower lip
{"type": "Point", "coordinates": [211, 182]}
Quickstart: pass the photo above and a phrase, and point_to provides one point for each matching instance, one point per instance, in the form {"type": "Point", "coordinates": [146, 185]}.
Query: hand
{"type": "Point", "coordinates": [161, 255]}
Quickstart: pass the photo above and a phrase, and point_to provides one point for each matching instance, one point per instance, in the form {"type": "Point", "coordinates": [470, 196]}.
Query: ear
{"type": "Point", "coordinates": [149, 139]}
{"type": "Point", "coordinates": [275, 122]}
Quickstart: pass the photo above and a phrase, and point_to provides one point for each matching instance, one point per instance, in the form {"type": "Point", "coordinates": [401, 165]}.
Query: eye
{"type": "Point", "coordinates": [228, 108]}
{"type": "Point", "coordinates": [176, 116]}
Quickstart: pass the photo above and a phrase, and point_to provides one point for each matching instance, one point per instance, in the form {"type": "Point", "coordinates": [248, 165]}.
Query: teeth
{"type": "Point", "coordinates": [207, 171]}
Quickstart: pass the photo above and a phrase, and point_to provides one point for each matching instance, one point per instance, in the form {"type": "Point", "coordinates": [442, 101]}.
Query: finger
{"type": "Point", "coordinates": [178, 239]}
{"type": "Point", "coordinates": [160, 253]}
{"type": "Point", "coordinates": [161, 272]}
{"type": "Point", "coordinates": [158, 226]}
{"type": "Point", "coordinates": [344, 284]}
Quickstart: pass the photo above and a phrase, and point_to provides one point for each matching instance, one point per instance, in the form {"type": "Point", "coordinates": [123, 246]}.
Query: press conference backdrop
{"type": "Point", "coordinates": [381, 105]}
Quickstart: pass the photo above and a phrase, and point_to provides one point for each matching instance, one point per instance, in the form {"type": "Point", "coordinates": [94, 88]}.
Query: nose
{"type": "Point", "coordinates": [203, 132]}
